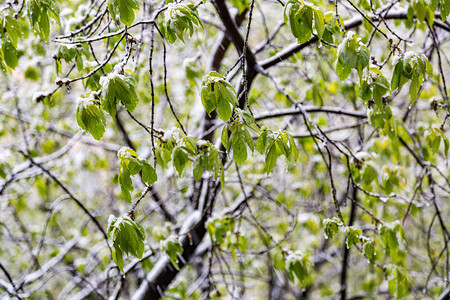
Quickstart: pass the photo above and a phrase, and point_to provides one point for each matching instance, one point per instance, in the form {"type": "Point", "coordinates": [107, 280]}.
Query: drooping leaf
{"type": "Point", "coordinates": [126, 237]}
{"type": "Point", "coordinates": [123, 8]}
{"type": "Point", "coordinates": [172, 248]}
{"type": "Point", "coordinates": [90, 117]}
{"type": "Point", "coordinates": [218, 93]}
{"type": "Point", "coordinates": [118, 88]}
{"type": "Point", "coordinates": [130, 164]}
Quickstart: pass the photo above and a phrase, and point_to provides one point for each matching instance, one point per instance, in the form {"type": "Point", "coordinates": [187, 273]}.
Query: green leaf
{"type": "Point", "coordinates": [319, 23]}
{"type": "Point", "coordinates": [342, 70]}
{"type": "Point", "coordinates": [239, 151]}
{"type": "Point", "coordinates": [223, 109]}
{"type": "Point", "coordinates": [271, 159]}
{"type": "Point", "coordinates": [225, 138]}
{"type": "Point", "coordinates": [130, 163]}
{"type": "Point", "coordinates": [125, 237]}
{"type": "Point", "coordinates": [118, 88]}
{"type": "Point", "coordinates": [198, 170]}
{"type": "Point", "coordinates": [248, 139]}
{"type": "Point", "coordinates": [179, 18]}
{"type": "Point", "coordinates": [172, 248]}
{"type": "Point", "coordinates": [298, 264]}
{"type": "Point", "coordinates": [294, 150]}
{"type": "Point", "coordinates": [445, 9]}
{"type": "Point", "coordinates": [331, 227]}
{"type": "Point", "coordinates": [397, 74]}
{"type": "Point", "coordinates": [261, 142]}
{"type": "Point", "coordinates": [123, 8]}
{"type": "Point", "coordinates": [369, 249]}
{"type": "Point", "coordinates": [180, 159]}
{"type": "Point", "coordinates": [208, 99]}
{"type": "Point", "coordinates": [398, 281]}
{"type": "Point", "coordinates": [353, 235]}
{"type": "Point", "coordinates": [218, 93]}
{"type": "Point", "coordinates": [90, 117]}
{"type": "Point", "coordinates": [9, 53]}
{"type": "Point", "coordinates": [149, 175]}
{"type": "Point", "coordinates": [369, 174]}
{"type": "Point", "coordinates": [414, 88]}
{"type": "Point", "coordinates": [446, 145]}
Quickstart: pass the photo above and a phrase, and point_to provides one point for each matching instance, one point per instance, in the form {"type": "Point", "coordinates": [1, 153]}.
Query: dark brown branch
{"type": "Point", "coordinates": [295, 111]}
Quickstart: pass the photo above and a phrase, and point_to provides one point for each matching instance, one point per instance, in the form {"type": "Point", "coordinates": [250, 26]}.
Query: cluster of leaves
{"type": "Point", "coordinates": [399, 281]}
{"type": "Point", "coordinates": [11, 30]}
{"type": "Point", "coordinates": [218, 93]}
{"type": "Point", "coordinates": [118, 88]}
{"type": "Point", "coordinates": [123, 8]}
{"type": "Point", "coordinates": [125, 237]}
{"type": "Point", "coordinates": [172, 248]}
{"type": "Point", "coordinates": [236, 136]}
{"type": "Point", "coordinates": [434, 137]}
{"type": "Point", "coordinates": [331, 227]}
{"type": "Point", "coordinates": [443, 4]}
{"type": "Point", "coordinates": [363, 170]}
{"type": "Point", "coordinates": [178, 18]}
{"type": "Point", "coordinates": [354, 235]}
{"type": "Point", "coordinates": [209, 159]}
{"type": "Point", "coordinates": [130, 163]}
{"type": "Point", "coordinates": [421, 10]}
{"type": "Point", "coordinates": [181, 150]}
{"type": "Point", "coordinates": [273, 145]}
{"type": "Point", "coordinates": [222, 233]}
{"type": "Point", "coordinates": [410, 66]}
{"type": "Point", "coordinates": [90, 116]}
{"type": "Point", "coordinates": [373, 86]}
{"type": "Point", "coordinates": [69, 53]}
{"type": "Point", "coordinates": [351, 54]}
{"type": "Point", "coordinates": [298, 264]}
{"type": "Point", "coordinates": [392, 235]}
{"type": "Point", "coordinates": [39, 14]}
{"type": "Point", "coordinates": [299, 15]}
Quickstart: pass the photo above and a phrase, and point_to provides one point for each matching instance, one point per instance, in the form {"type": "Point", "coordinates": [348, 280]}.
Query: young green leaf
{"type": "Point", "coordinates": [9, 53]}
{"type": "Point", "coordinates": [353, 235]}
{"type": "Point", "coordinates": [298, 264]}
{"type": "Point", "coordinates": [351, 54]}
{"type": "Point", "coordinates": [331, 227]}
{"type": "Point", "coordinates": [172, 248]}
{"type": "Point", "coordinates": [39, 12]}
{"type": "Point", "coordinates": [125, 237]}
{"type": "Point", "coordinates": [179, 18]}
{"type": "Point", "coordinates": [180, 159]}
{"type": "Point", "coordinates": [218, 93]}
{"type": "Point", "coordinates": [118, 88]}
{"type": "Point", "coordinates": [399, 281]}
{"type": "Point", "coordinates": [299, 16]}
{"type": "Point", "coordinates": [90, 117]}
{"type": "Point", "coordinates": [271, 158]}
{"type": "Point", "coordinates": [239, 151]}
{"type": "Point", "coordinates": [123, 8]}
{"type": "Point", "coordinates": [225, 138]}
{"type": "Point", "coordinates": [130, 164]}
